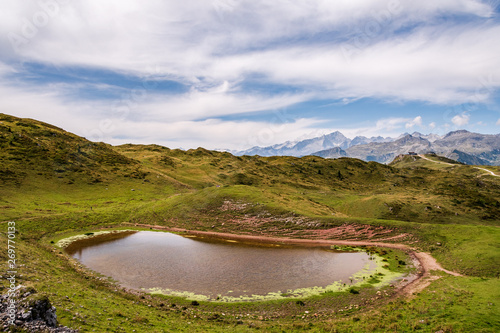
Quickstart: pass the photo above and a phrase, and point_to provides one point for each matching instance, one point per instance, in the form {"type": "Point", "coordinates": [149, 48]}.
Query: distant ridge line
{"type": "Point", "coordinates": [460, 145]}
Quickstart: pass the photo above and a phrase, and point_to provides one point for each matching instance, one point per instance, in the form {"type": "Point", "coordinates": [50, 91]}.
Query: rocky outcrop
{"type": "Point", "coordinates": [33, 312]}
{"type": "Point", "coordinates": [336, 152]}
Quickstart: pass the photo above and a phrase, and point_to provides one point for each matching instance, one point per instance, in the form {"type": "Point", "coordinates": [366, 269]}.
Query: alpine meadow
{"type": "Point", "coordinates": [56, 185]}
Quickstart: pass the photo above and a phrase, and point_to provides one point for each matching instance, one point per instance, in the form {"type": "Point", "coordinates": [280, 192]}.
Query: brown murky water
{"type": "Point", "coordinates": [212, 267]}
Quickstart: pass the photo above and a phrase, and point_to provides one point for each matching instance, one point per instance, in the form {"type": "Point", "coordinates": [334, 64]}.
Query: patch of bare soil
{"type": "Point", "coordinates": [229, 205]}
{"type": "Point", "coordinates": [359, 232]}
{"type": "Point", "coordinates": [427, 263]}
{"type": "Point", "coordinates": [303, 227]}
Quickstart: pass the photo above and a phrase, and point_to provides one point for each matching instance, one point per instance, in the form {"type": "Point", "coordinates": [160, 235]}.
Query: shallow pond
{"type": "Point", "coordinates": [216, 268]}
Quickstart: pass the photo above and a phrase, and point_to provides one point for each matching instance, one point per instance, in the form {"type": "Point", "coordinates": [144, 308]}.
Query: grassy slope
{"type": "Point", "coordinates": [52, 181]}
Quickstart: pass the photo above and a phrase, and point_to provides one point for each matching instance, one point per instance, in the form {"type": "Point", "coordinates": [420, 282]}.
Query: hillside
{"type": "Point", "coordinates": [54, 183]}
{"type": "Point", "coordinates": [30, 148]}
{"type": "Point", "coordinates": [37, 156]}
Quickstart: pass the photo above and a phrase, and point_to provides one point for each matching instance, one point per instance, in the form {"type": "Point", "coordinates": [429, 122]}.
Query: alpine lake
{"type": "Point", "coordinates": [212, 269]}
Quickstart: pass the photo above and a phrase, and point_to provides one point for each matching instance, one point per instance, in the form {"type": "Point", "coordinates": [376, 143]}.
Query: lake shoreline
{"type": "Point", "coordinates": [424, 262]}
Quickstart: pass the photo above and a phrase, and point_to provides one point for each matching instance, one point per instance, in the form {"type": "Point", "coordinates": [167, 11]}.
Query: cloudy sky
{"type": "Point", "coordinates": [239, 73]}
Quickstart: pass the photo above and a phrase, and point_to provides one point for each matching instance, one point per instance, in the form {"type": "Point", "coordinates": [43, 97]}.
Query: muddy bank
{"type": "Point", "coordinates": [278, 240]}
{"type": "Point", "coordinates": [424, 262]}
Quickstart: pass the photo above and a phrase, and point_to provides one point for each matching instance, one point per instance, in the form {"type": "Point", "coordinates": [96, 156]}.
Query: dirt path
{"type": "Point", "coordinates": [483, 169]}
{"type": "Point", "coordinates": [428, 159]}
{"type": "Point", "coordinates": [427, 264]}
{"type": "Point", "coordinates": [491, 172]}
{"type": "Point", "coordinates": [424, 261]}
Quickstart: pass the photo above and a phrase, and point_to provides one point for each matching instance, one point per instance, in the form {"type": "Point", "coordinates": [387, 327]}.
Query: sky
{"type": "Point", "coordinates": [229, 74]}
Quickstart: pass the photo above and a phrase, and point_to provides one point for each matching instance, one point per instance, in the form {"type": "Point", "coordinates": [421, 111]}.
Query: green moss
{"type": "Point", "coordinates": [65, 242]}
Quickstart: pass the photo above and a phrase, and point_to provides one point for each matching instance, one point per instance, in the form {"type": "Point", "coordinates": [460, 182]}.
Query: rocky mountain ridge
{"type": "Point", "coordinates": [462, 146]}
{"type": "Point", "coordinates": [310, 146]}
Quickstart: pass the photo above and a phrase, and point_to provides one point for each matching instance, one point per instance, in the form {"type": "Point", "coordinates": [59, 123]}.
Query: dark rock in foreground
{"type": "Point", "coordinates": [31, 312]}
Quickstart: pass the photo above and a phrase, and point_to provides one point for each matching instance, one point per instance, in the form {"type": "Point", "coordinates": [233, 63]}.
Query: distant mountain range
{"type": "Point", "coordinates": [462, 146]}
{"type": "Point", "coordinates": [311, 146]}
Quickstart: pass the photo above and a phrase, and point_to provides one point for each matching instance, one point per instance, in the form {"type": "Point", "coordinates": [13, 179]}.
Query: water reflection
{"type": "Point", "coordinates": [210, 267]}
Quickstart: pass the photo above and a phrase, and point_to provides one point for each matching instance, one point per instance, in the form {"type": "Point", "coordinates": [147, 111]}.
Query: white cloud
{"type": "Point", "coordinates": [432, 125]}
{"type": "Point", "coordinates": [386, 127]}
{"type": "Point", "coordinates": [225, 41]}
{"type": "Point", "coordinates": [35, 102]}
{"type": "Point", "coordinates": [498, 122]}
{"type": "Point", "coordinates": [391, 124]}
{"type": "Point", "coordinates": [461, 120]}
{"type": "Point", "coordinates": [198, 105]}
{"type": "Point", "coordinates": [418, 67]}
{"type": "Point", "coordinates": [151, 120]}
{"type": "Point", "coordinates": [210, 133]}
{"type": "Point", "coordinates": [415, 122]}
{"type": "Point", "coordinates": [214, 47]}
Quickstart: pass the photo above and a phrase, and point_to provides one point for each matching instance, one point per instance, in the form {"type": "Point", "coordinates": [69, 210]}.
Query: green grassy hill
{"type": "Point", "coordinates": [53, 183]}
{"type": "Point", "coordinates": [31, 148]}
{"type": "Point", "coordinates": [346, 187]}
